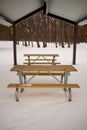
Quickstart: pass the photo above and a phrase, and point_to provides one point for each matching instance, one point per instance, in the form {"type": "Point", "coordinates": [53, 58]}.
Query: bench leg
{"type": "Point", "coordinates": [22, 89]}
{"type": "Point", "coordinates": [21, 81]}
{"type": "Point", "coordinates": [17, 94]}
{"type": "Point", "coordinates": [70, 94]}
{"type": "Point", "coordinates": [61, 79]}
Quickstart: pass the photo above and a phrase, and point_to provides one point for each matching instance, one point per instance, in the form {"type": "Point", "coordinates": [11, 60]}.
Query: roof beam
{"type": "Point", "coordinates": [6, 18]}
{"type": "Point", "coordinates": [28, 15]}
{"type": "Point", "coordinates": [62, 18]}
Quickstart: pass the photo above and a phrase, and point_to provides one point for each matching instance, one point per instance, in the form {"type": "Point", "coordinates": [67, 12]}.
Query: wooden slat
{"type": "Point", "coordinates": [44, 86]}
{"type": "Point", "coordinates": [41, 55]}
{"type": "Point", "coordinates": [42, 63]}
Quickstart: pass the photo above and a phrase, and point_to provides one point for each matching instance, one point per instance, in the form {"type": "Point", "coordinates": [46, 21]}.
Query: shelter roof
{"type": "Point", "coordinates": [13, 11]}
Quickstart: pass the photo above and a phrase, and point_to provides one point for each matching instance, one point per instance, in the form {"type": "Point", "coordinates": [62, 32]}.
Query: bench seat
{"type": "Point", "coordinates": [42, 73]}
{"type": "Point", "coordinates": [43, 86]}
{"type": "Point", "coordinates": [69, 86]}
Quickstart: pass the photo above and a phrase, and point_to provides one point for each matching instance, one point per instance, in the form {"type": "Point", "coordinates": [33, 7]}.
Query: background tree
{"type": "Point", "coordinates": [42, 28]}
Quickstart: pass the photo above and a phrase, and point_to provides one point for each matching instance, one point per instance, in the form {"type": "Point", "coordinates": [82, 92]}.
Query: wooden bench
{"type": "Point", "coordinates": [69, 86]}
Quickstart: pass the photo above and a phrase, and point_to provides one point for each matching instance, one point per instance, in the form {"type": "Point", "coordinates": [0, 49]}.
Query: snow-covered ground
{"type": "Point", "coordinates": [43, 109]}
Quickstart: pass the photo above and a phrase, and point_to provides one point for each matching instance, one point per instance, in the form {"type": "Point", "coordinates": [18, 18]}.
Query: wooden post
{"type": "Point", "coordinates": [74, 45]}
{"type": "Point", "coordinates": [14, 45]}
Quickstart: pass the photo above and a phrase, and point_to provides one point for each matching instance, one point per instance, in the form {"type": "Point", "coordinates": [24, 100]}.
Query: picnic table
{"type": "Point", "coordinates": [41, 59]}
{"type": "Point", "coordinates": [37, 69]}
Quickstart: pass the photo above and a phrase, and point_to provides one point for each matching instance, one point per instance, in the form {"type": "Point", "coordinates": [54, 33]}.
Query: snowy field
{"type": "Point", "coordinates": [43, 109]}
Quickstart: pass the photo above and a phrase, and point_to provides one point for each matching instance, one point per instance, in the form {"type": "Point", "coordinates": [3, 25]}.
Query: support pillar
{"type": "Point", "coordinates": [14, 45]}
{"type": "Point", "coordinates": [74, 44]}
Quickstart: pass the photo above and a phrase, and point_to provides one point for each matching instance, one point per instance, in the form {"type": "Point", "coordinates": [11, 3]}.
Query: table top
{"type": "Point", "coordinates": [41, 55]}
{"type": "Point", "coordinates": [56, 68]}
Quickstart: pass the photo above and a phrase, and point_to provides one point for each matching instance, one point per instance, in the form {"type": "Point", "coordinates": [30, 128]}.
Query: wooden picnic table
{"type": "Point", "coordinates": [51, 70]}
{"type": "Point", "coordinates": [34, 58]}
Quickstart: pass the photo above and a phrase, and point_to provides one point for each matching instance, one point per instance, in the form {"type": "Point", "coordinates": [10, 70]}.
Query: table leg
{"type": "Point", "coordinates": [65, 79]}
{"type": "Point", "coordinates": [17, 89]}
{"type": "Point", "coordinates": [24, 78]}
{"type": "Point", "coordinates": [21, 80]}
{"type": "Point", "coordinates": [65, 82]}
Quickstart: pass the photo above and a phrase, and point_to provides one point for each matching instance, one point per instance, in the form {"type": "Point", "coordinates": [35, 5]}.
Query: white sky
{"type": "Point", "coordinates": [43, 109]}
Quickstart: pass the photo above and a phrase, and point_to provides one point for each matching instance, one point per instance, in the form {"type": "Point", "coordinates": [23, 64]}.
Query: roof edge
{"type": "Point", "coordinates": [61, 18]}
{"type": "Point", "coordinates": [6, 18]}
{"type": "Point", "coordinates": [28, 15]}
{"type": "Point", "coordinates": [82, 19]}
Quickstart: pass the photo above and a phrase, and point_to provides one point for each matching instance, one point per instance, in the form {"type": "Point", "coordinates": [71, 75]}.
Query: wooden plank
{"type": "Point", "coordinates": [41, 55]}
{"type": "Point", "coordinates": [54, 63]}
{"type": "Point", "coordinates": [56, 68]}
{"type": "Point", "coordinates": [43, 86]}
